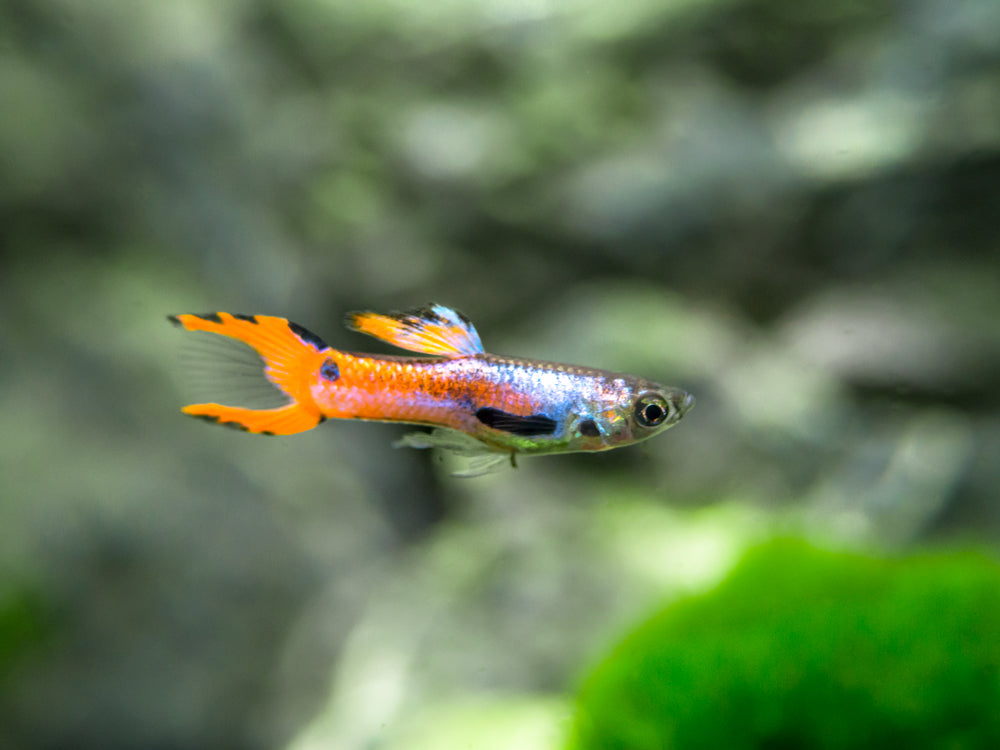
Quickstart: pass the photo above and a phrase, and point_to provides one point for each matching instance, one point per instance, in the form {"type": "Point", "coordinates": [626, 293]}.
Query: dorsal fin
{"type": "Point", "coordinates": [434, 329]}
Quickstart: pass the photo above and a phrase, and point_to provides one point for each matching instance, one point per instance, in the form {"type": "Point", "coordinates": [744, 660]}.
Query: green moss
{"type": "Point", "coordinates": [805, 648]}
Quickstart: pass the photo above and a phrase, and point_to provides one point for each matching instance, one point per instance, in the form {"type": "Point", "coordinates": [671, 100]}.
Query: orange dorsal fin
{"type": "Point", "coordinates": [434, 329]}
{"type": "Point", "coordinates": [291, 356]}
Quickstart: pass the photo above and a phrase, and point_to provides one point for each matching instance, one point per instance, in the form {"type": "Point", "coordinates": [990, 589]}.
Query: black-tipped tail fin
{"type": "Point", "coordinates": [291, 356]}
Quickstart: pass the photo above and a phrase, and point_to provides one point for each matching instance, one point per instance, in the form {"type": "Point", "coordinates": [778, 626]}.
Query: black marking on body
{"type": "Point", "coordinates": [329, 370]}
{"type": "Point", "coordinates": [588, 428]}
{"type": "Point", "coordinates": [534, 424]}
{"type": "Point", "coordinates": [247, 318]}
{"type": "Point", "coordinates": [175, 321]}
{"type": "Point", "coordinates": [210, 317]}
{"type": "Point", "coordinates": [308, 336]}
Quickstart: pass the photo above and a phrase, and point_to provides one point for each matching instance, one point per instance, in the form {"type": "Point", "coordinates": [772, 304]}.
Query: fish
{"type": "Point", "coordinates": [486, 407]}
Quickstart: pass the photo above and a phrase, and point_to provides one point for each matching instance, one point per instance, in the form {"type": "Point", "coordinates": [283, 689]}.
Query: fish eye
{"type": "Point", "coordinates": [651, 410]}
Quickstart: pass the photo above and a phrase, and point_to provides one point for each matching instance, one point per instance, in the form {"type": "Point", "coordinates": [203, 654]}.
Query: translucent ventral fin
{"type": "Point", "coordinates": [480, 459]}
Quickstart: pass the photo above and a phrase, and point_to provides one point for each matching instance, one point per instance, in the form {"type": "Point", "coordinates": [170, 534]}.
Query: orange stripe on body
{"type": "Point", "coordinates": [393, 389]}
{"type": "Point", "coordinates": [443, 392]}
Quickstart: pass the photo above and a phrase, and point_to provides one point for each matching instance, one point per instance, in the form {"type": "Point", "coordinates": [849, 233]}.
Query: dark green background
{"type": "Point", "coordinates": [787, 207]}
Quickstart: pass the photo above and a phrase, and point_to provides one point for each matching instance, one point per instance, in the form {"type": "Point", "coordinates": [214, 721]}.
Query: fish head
{"type": "Point", "coordinates": [629, 412]}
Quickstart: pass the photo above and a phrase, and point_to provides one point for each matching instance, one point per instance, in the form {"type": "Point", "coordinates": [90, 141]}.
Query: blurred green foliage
{"type": "Point", "coordinates": [800, 647]}
{"type": "Point", "coordinates": [23, 626]}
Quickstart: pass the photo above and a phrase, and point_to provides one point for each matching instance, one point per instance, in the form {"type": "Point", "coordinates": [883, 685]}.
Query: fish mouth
{"type": "Point", "coordinates": [684, 403]}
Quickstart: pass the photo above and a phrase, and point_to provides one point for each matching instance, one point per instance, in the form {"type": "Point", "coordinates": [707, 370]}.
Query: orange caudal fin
{"type": "Point", "coordinates": [291, 355]}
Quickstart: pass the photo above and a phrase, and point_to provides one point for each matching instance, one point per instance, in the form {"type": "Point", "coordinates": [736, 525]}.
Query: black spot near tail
{"type": "Point", "coordinates": [308, 336]}
{"type": "Point", "coordinates": [211, 317]}
{"type": "Point", "coordinates": [329, 371]}
{"type": "Point", "coordinates": [534, 424]}
{"type": "Point", "coordinates": [247, 318]}
{"type": "Point", "coordinates": [588, 428]}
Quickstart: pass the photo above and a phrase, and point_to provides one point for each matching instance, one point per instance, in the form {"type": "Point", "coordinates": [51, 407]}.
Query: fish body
{"type": "Point", "coordinates": [484, 403]}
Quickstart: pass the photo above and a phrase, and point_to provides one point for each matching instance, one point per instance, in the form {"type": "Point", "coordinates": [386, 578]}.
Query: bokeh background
{"type": "Point", "coordinates": [788, 207]}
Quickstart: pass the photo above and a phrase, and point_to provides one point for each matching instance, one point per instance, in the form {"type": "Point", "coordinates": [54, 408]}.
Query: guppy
{"type": "Point", "coordinates": [485, 406]}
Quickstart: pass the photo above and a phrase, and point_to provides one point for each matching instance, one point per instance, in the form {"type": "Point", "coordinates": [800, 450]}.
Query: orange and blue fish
{"type": "Point", "coordinates": [482, 405]}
